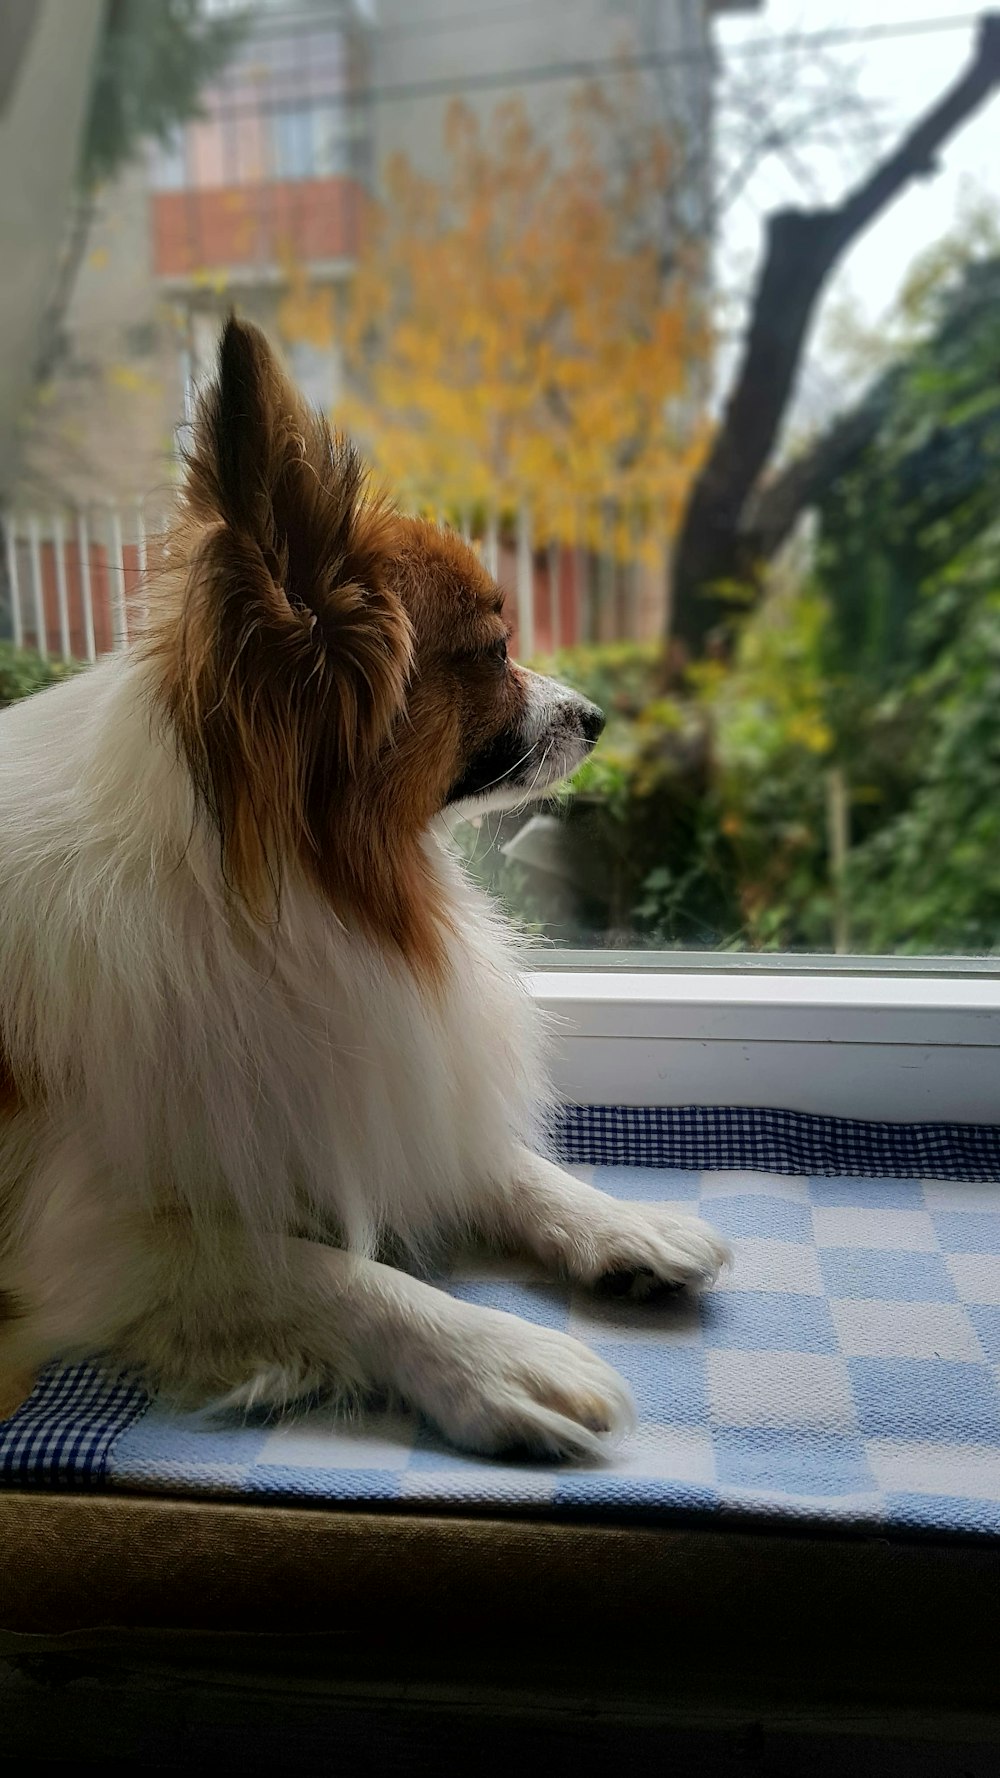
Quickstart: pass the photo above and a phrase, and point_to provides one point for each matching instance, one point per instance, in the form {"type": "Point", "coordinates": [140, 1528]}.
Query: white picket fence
{"type": "Point", "coordinates": [561, 595]}
{"type": "Point", "coordinates": [77, 582]}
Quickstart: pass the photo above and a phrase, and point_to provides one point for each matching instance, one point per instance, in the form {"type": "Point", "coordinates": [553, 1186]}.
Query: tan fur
{"type": "Point", "coordinates": [321, 661]}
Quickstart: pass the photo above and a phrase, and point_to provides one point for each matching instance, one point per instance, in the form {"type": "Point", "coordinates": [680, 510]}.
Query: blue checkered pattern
{"type": "Point", "coordinates": [62, 1435]}
{"type": "Point", "coordinates": [847, 1372]}
{"type": "Point", "coordinates": [774, 1142]}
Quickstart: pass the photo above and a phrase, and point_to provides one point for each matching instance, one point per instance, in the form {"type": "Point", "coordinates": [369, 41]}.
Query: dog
{"type": "Point", "coordinates": [255, 1023]}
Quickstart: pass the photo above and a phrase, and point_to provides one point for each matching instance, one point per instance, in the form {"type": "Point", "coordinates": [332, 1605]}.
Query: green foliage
{"type": "Point", "coordinates": [619, 676]}
{"type": "Point", "coordinates": [154, 59]}
{"type": "Point", "coordinates": [928, 484]}
{"type": "Point", "coordinates": [867, 348]}
{"type": "Point", "coordinates": [647, 861]}
{"type": "Point", "coordinates": [22, 672]}
{"type": "Point", "coordinates": [911, 565]}
{"type": "Point", "coordinates": [706, 820]}
{"type": "Point", "coordinates": [774, 740]}
{"type": "Point", "coordinates": [928, 879]}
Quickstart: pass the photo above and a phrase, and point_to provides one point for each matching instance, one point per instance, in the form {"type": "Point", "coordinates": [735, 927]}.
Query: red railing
{"type": "Point", "coordinates": [306, 221]}
{"type": "Point", "coordinates": [77, 586]}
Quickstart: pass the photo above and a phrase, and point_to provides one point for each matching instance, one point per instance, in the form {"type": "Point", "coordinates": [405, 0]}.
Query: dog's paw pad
{"type": "Point", "coordinates": [639, 1284]}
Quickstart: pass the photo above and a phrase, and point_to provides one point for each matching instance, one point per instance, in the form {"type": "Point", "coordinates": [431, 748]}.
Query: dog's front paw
{"type": "Point", "coordinates": [501, 1385]}
{"type": "Point", "coordinates": [646, 1250]}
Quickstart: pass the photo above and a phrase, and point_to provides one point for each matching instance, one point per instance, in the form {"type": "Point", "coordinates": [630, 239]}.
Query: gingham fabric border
{"type": "Point", "coordinates": [845, 1373]}
{"type": "Point", "coordinates": [82, 1428]}
{"type": "Point", "coordinates": [772, 1141]}
{"type": "Point", "coordinates": [63, 1434]}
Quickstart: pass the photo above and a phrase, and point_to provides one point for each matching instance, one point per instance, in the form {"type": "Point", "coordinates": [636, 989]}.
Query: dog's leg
{"type": "Point", "coordinates": [635, 1249]}
{"type": "Point", "coordinates": [488, 1380]}
{"type": "Point", "coordinates": [264, 1326]}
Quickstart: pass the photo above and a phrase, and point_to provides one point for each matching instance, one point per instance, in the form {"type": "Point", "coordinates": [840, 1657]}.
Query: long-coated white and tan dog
{"type": "Point", "coordinates": [254, 1022]}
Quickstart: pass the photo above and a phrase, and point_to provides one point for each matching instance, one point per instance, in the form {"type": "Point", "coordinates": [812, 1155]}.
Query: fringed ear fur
{"type": "Point", "coordinates": [287, 667]}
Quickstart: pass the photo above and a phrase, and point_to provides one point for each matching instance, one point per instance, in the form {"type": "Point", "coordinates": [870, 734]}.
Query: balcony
{"type": "Point", "coordinates": [252, 231]}
{"type": "Point", "coordinates": [275, 169]}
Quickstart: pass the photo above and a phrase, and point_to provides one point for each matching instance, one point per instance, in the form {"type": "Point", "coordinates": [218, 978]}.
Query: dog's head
{"type": "Point", "coordinates": [337, 675]}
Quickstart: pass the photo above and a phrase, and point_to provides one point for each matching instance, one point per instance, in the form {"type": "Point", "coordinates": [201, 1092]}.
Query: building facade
{"type": "Point", "coordinates": [273, 175]}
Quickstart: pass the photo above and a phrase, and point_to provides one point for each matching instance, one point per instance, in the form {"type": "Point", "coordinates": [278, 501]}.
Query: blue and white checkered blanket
{"type": "Point", "coordinates": [847, 1371]}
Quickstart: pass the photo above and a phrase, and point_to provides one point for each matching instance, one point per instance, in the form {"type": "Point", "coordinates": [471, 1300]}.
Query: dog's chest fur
{"type": "Point", "coordinates": [306, 1067]}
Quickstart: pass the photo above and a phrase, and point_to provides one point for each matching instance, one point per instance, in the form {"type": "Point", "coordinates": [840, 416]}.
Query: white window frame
{"type": "Point", "coordinates": [883, 1039]}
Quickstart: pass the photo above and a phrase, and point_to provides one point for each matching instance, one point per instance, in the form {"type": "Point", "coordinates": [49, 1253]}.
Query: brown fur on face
{"type": "Point", "coordinates": [328, 667]}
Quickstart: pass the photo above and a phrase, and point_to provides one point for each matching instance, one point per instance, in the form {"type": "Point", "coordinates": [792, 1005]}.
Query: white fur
{"type": "Point", "coordinates": [220, 1102]}
{"type": "Point", "coordinates": [553, 747]}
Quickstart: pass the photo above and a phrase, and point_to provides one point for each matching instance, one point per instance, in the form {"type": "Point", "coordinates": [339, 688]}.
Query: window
{"type": "Point", "coordinates": [889, 1042]}
{"type": "Point", "coordinates": [657, 305]}
{"type": "Point", "coordinates": [279, 110]}
{"type": "Point", "coordinates": [545, 262]}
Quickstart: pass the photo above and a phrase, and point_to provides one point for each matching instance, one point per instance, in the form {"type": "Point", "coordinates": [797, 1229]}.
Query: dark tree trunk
{"type": "Point", "coordinates": [716, 545]}
{"type": "Point", "coordinates": [71, 257]}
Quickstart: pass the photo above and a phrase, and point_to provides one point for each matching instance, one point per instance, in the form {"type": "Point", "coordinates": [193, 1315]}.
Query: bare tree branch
{"type": "Point", "coordinates": [801, 250]}
{"type": "Point", "coordinates": [773, 509]}
{"type": "Point", "coordinates": [71, 257]}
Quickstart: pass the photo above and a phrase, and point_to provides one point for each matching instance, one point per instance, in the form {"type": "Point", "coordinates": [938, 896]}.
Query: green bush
{"type": "Point", "coordinates": [620, 676]}
{"type": "Point", "coordinates": [927, 878]}
{"type": "Point", "coordinates": [861, 706]}
{"type": "Point", "coordinates": [22, 671]}
{"type": "Point", "coordinates": [702, 816]}
{"type": "Point", "coordinates": [646, 861]}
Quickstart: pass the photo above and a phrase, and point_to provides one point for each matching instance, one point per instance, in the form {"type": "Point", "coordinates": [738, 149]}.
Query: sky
{"type": "Point", "coordinates": [902, 76]}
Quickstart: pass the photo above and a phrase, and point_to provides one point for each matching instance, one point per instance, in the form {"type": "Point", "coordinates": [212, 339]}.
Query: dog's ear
{"type": "Point", "coordinates": [293, 651]}
{"type": "Point", "coordinates": [309, 550]}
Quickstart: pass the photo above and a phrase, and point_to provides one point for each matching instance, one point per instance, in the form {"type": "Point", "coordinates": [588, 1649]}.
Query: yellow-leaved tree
{"type": "Point", "coordinates": [524, 334]}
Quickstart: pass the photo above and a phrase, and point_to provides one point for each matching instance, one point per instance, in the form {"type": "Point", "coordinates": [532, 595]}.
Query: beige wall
{"type": "Point", "coordinates": [106, 427]}
{"type": "Point", "coordinates": [481, 39]}
{"type": "Point", "coordinates": [40, 127]}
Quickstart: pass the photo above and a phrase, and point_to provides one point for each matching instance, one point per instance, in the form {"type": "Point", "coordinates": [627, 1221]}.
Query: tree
{"type": "Point", "coordinates": [153, 61]}
{"type": "Point", "coordinates": [513, 337]}
{"type": "Point", "coordinates": [716, 545]}
{"type": "Point", "coordinates": [878, 355]}
{"type": "Point", "coordinates": [909, 563]}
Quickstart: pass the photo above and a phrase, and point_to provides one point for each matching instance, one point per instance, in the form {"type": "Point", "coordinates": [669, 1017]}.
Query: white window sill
{"type": "Point", "coordinates": [888, 1045]}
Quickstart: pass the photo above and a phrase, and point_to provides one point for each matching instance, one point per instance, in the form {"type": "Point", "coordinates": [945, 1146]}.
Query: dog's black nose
{"type": "Point", "coordinates": [592, 721]}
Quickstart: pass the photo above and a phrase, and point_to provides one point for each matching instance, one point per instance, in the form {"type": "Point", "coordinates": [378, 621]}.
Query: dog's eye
{"type": "Point", "coordinates": [493, 654]}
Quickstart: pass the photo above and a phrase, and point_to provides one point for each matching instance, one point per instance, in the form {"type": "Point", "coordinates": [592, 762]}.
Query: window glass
{"type": "Point", "coordinates": [686, 313]}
